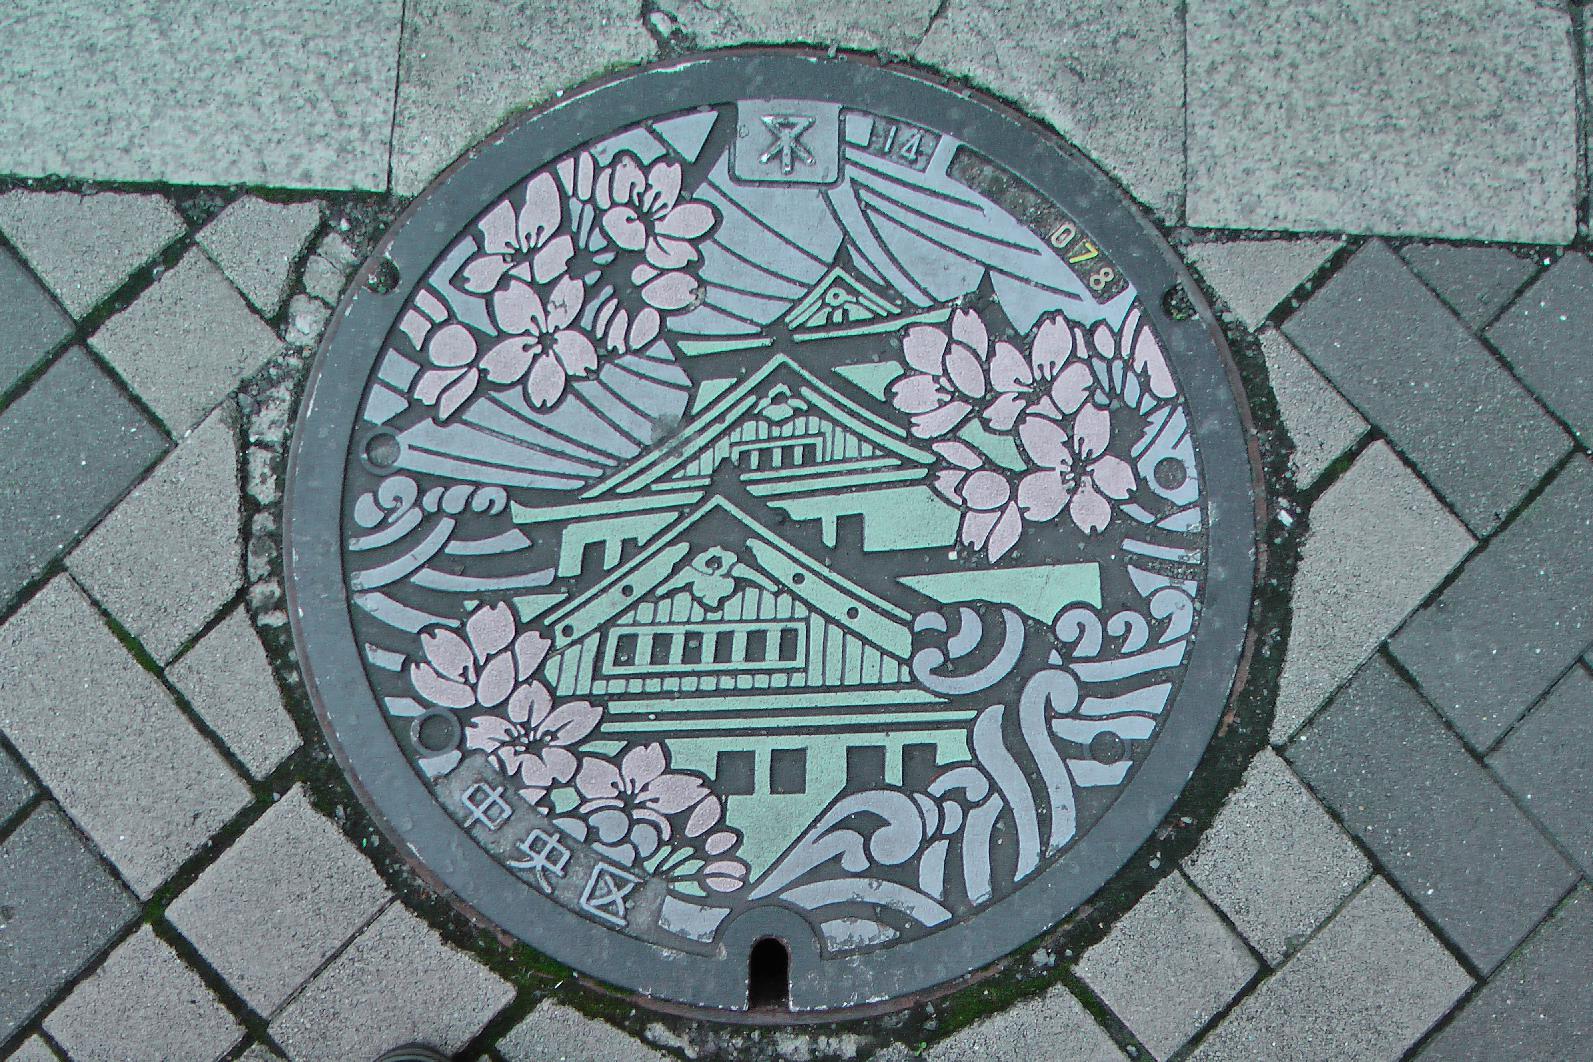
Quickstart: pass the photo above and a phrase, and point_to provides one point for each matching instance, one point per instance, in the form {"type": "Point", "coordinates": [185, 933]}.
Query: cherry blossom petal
{"type": "Point", "coordinates": [482, 273]}
{"type": "Point", "coordinates": [519, 707]}
{"type": "Point", "coordinates": [1148, 359]}
{"type": "Point", "coordinates": [948, 484]}
{"type": "Point", "coordinates": [487, 732]}
{"type": "Point", "coordinates": [986, 490]}
{"type": "Point", "coordinates": [1052, 345]}
{"type": "Point", "coordinates": [1089, 510]}
{"type": "Point", "coordinates": [517, 308]}
{"type": "Point", "coordinates": [670, 291]}
{"type": "Point", "coordinates": [937, 422]}
{"type": "Point", "coordinates": [917, 392]}
{"type": "Point", "coordinates": [967, 372]}
{"type": "Point", "coordinates": [705, 816]}
{"type": "Point", "coordinates": [958, 453]}
{"type": "Point", "coordinates": [671, 793]}
{"type": "Point", "coordinates": [496, 681]}
{"type": "Point", "coordinates": [439, 690]}
{"type": "Point", "coordinates": [611, 824]}
{"type": "Point", "coordinates": [560, 763]}
{"type": "Point", "coordinates": [498, 230]}
{"type": "Point", "coordinates": [626, 180]}
{"type": "Point", "coordinates": [688, 221]}
{"type": "Point", "coordinates": [542, 212]}
{"type": "Point", "coordinates": [545, 383]}
{"type": "Point", "coordinates": [719, 842]}
{"type": "Point", "coordinates": [976, 528]}
{"type": "Point", "coordinates": [1104, 341]}
{"type": "Point", "coordinates": [1045, 442]}
{"type": "Point", "coordinates": [529, 650]}
{"type": "Point", "coordinates": [456, 394]}
{"type": "Point", "coordinates": [663, 187]}
{"type": "Point", "coordinates": [1009, 370]}
{"type": "Point", "coordinates": [642, 764]}
{"type": "Point", "coordinates": [451, 346]}
{"type": "Point", "coordinates": [538, 768]}
{"type": "Point", "coordinates": [968, 329]}
{"type": "Point", "coordinates": [625, 227]}
{"type": "Point", "coordinates": [447, 652]}
{"type": "Point", "coordinates": [597, 778]}
{"type": "Point", "coordinates": [644, 328]}
{"type": "Point", "coordinates": [570, 722]}
{"type": "Point", "coordinates": [1005, 534]}
{"type": "Point", "coordinates": [924, 348]}
{"type": "Point", "coordinates": [564, 303]}
{"type": "Point", "coordinates": [575, 352]}
{"type": "Point", "coordinates": [1072, 387]}
{"type": "Point", "coordinates": [489, 630]}
{"type": "Point", "coordinates": [533, 795]}
{"type": "Point", "coordinates": [507, 362]}
{"type": "Point", "coordinates": [576, 175]}
{"type": "Point", "coordinates": [723, 882]}
{"type": "Point", "coordinates": [1041, 495]}
{"type": "Point", "coordinates": [1092, 430]}
{"type": "Point", "coordinates": [431, 384]}
{"type": "Point", "coordinates": [667, 253]}
{"type": "Point", "coordinates": [552, 259]}
{"type": "Point", "coordinates": [1003, 413]}
{"type": "Point", "coordinates": [1113, 476]}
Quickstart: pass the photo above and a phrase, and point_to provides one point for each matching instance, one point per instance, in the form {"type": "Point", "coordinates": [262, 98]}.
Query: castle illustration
{"type": "Point", "coordinates": [710, 592]}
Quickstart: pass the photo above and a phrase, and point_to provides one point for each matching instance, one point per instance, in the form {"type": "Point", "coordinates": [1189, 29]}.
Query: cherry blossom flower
{"type": "Point", "coordinates": [947, 374]}
{"type": "Point", "coordinates": [1072, 472]}
{"type": "Point", "coordinates": [540, 347]}
{"type": "Point", "coordinates": [1054, 380]}
{"type": "Point", "coordinates": [991, 520]}
{"type": "Point", "coordinates": [521, 242]}
{"type": "Point", "coordinates": [532, 739]}
{"type": "Point", "coordinates": [627, 806]}
{"type": "Point", "coordinates": [643, 211]}
{"type": "Point", "coordinates": [481, 668]}
{"type": "Point", "coordinates": [454, 377]}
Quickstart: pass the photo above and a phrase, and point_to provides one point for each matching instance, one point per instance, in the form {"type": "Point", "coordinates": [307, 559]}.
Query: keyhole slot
{"type": "Point", "coordinates": [769, 975]}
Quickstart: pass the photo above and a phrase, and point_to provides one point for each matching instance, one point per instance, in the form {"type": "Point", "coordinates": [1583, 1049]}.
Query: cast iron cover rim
{"type": "Point", "coordinates": [318, 600]}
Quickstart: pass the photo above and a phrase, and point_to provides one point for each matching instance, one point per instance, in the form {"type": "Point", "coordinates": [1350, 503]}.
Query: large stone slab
{"type": "Point", "coordinates": [1515, 618]}
{"type": "Point", "coordinates": [892, 26]}
{"type": "Point", "coordinates": [1417, 372]}
{"type": "Point", "coordinates": [1379, 543]}
{"type": "Point", "coordinates": [31, 324]}
{"type": "Point", "coordinates": [186, 342]}
{"type": "Point", "coordinates": [1439, 824]}
{"type": "Point", "coordinates": [1319, 421]}
{"type": "Point", "coordinates": [62, 907]}
{"type": "Point", "coordinates": [278, 903]}
{"type": "Point", "coordinates": [291, 94]}
{"type": "Point", "coordinates": [467, 66]}
{"type": "Point", "coordinates": [103, 734]}
{"type": "Point", "coordinates": [228, 681]}
{"type": "Point", "coordinates": [1051, 1025]}
{"type": "Point", "coordinates": [554, 1032]}
{"type": "Point", "coordinates": [144, 1002]}
{"type": "Point", "coordinates": [397, 983]}
{"type": "Point", "coordinates": [1107, 76]}
{"type": "Point", "coordinates": [1167, 966]}
{"type": "Point", "coordinates": [74, 427]}
{"type": "Point", "coordinates": [1375, 116]}
{"type": "Point", "coordinates": [1537, 1005]}
{"type": "Point", "coordinates": [1368, 986]}
{"type": "Point", "coordinates": [84, 246]}
{"type": "Point", "coordinates": [257, 243]}
{"type": "Point", "coordinates": [1547, 761]}
{"type": "Point", "coordinates": [1274, 861]}
{"type": "Point", "coordinates": [1547, 336]}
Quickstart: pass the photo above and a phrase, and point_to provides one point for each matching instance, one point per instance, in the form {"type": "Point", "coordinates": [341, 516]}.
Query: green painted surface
{"type": "Point", "coordinates": [1041, 592]}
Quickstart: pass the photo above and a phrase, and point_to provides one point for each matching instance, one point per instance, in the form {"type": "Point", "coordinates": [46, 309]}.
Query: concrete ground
{"type": "Point", "coordinates": [1388, 201]}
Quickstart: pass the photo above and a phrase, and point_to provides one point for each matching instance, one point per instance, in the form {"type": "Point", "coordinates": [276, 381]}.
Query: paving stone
{"type": "Point", "coordinates": [1367, 987]}
{"type": "Point", "coordinates": [1515, 618]}
{"type": "Point", "coordinates": [296, 93]}
{"type": "Point", "coordinates": [1321, 423]}
{"type": "Point", "coordinates": [554, 1032]}
{"type": "Point", "coordinates": [15, 789]}
{"type": "Point", "coordinates": [1253, 276]}
{"type": "Point", "coordinates": [1106, 75]}
{"type": "Point", "coordinates": [1545, 335]}
{"type": "Point", "coordinates": [1274, 861]}
{"type": "Point", "coordinates": [1476, 282]}
{"type": "Point", "coordinates": [33, 1049]}
{"type": "Point", "coordinates": [137, 777]}
{"type": "Point", "coordinates": [82, 246]}
{"type": "Point", "coordinates": [186, 342]}
{"type": "Point", "coordinates": [228, 681]}
{"type": "Point", "coordinates": [397, 983]}
{"type": "Point", "coordinates": [892, 26]}
{"type": "Point", "coordinates": [1438, 823]}
{"type": "Point", "coordinates": [1432, 119]}
{"type": "Point", "coordinates": [1168, 966]}
{"type": "Point", "coordinates": [1379, 543]}
{"type": "Point", "coordinates": [1052, 1025]}
{"type": "Point", "coordinates": [72, 426]}
{"type": "Point", "coordinates": [257, 243]}
{"type": "Point", "coordinates": [1415, 371]}
{"type": "Point", "coordinates": [61, 908]}
{"type": "Point", "coordinates": [259, 1053]}
{"type": "Point", "coordinates": [168, 558]}
{"type": "Point", "coordinates": [144, 1002]}
{"type": "Point", "coordinates": [1537, 1005]}
{"type": "Point", "coordinates": [466, 66]}
{"type": "Point", "coordinates": [31, 324]}
{"type": "Point", "coordinates": [278, 903]}
{"type": "Point", "coordinates": [1547, 762]}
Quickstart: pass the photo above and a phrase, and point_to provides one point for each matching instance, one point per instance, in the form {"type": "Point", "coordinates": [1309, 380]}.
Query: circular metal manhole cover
{"type": "Point", "coordinates": [773, 503]}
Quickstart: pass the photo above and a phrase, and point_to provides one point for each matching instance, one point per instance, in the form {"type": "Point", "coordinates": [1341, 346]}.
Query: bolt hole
{"type": "Point", "coordinates": [769, 975]}
{"type": "Point", "coordinates": [383, 278]}
{"type": "Point", "coordinates": [1178, 304]}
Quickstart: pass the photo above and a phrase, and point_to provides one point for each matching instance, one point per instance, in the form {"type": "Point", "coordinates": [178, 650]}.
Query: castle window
{"type": "Point", "coordinates": [788, 771]}
{"type": "Point", "coordinates": [788, 643]}
{"type": "Point", "coordinates": [769, 455]}
{"type": "Point", "coordinates": [662, 646]}
{"type": "Point", "coordinates": [918, 765]}
{"type": "Point", "coordinates": [757, 647]}
{"type": "Point", "coordinates": [865, 767]}
{"type": "Point", "coordinates": [705, 648]}
{"type": "Point", "coordinates": [735, 773]}
{"type": "Point", "coordinates": [724, 647]}
{"type": "Point", "coordinates": [625, 650]}
{"type": "Point", "coordinates": [691, 648]}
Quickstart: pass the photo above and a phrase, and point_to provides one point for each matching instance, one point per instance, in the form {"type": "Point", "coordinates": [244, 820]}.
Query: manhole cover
{"type": "Point", "coordinates": [772, 538]}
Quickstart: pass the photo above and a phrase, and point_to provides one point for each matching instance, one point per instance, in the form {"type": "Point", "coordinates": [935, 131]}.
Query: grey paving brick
{"type": "Point", "coordinates": [1441, 120]}
{"type": "Point", "coordinates": [1167, 966]}
{"type": "Point", "coordinates": [1476, 282]}
{"type": "Point", "coordinates": [1537, 1005]}
{"type": "Point", "coordinates": [1321, 423]}
{"type": "Point", "coordinates": [889, 25]}
{"type": "Point", "coordinates": [83, 246]}
{"type": "Point", "coordinates": [72, 426]}
{"type": "Point", "coordinates": [186, 342]}
{"type": "Point", "coordinates": [257, 243]}
{"type": "Point", "coordinates": [1379, 543]}
{"type": "Point", "coordinates": [1253, 276]}
{"type": "Point", "coordinates": [144, 1002]}
{"type": "Point", "coordinates": [62, 907]}
{"type": "Point", "coordinates": [139, 780]}
{"type": "Point", "coordinates": [15, 789]}
{"type": "Point", "coordinates": [33, 1049]}
{"type": "Point", "coordinates": [554, 1032]}
{"type": "Point", "coordinates": [1547, 762]}
{"type": "Point", "coordinates": [31, 324]}
{"type": "Point", "coordinates": [1107, 75]}
{"type": "Point", "coordinates": [1415, 371]}
{"type": "Point", "coordinates": [466, 66]}
{"type": "Point", "coordinates": [228, 681]}
{"type": "Point", "coordinates": [277, 904]}
{"type": "Point", "coordinates": [1274, 861]}
{"type": "Point", "coordinates": [1439, 824]}
{"type": "Point", "coordinates": [1515, 618]}
{"type": "Point", "coordinates": [296, 93]}
{"type": "Point", "coordinates": [168, 558]}
{"type": "Point", "coordinates": [1051, 1025]}
{"type": "Point", "coordinates": [1367, 987]}
{"type": "Point", "coordinates": [259, 1053]}
{"type": "Point", "coordinates": [397, 983]}
{"type": "Point", "coordinates": [1547, 336]}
